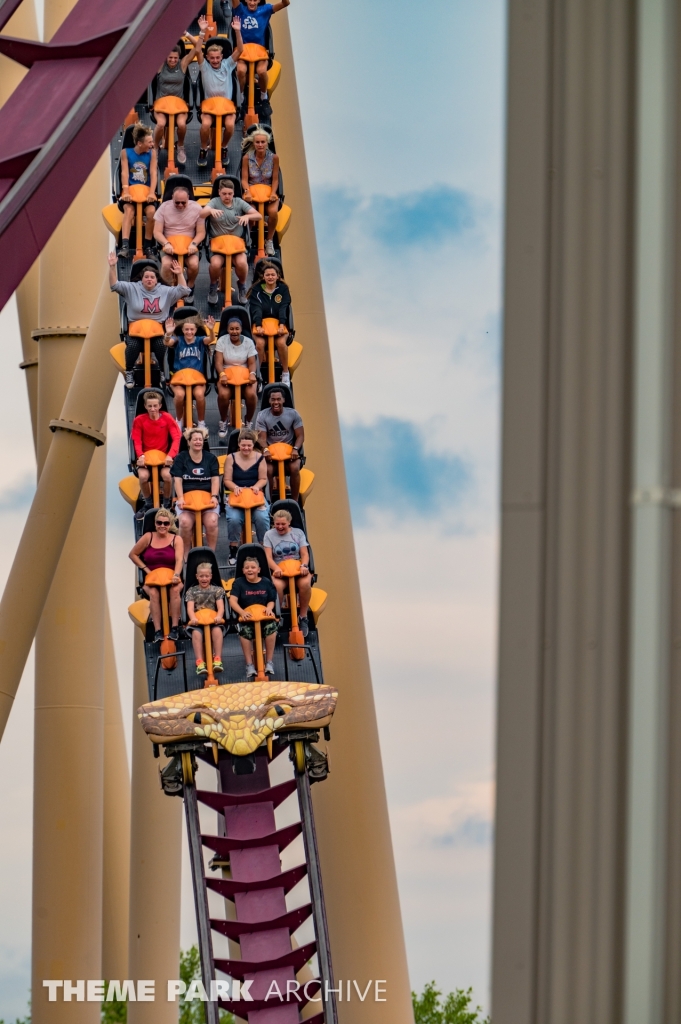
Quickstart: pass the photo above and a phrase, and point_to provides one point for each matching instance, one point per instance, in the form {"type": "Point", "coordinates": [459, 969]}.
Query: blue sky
{"type": "Point", "coordinates": [403, 117]}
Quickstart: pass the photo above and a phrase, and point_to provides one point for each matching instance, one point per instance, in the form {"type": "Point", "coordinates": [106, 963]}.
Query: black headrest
{"type": "Point", "coordinates": [226, 177]}
{"type": "Point", "coordinates": [252, 551]}
{"type": "Point", "coordinates": [184, 312]}
{"type": "Point", "coordinates": [200, 329]}
{"type": "Point", "coordinates": [127, 141]}
{"type": "Point", "coordinates": [262, 265]}
{"type": "Point", "coordinates": [238, 313]}
{"type": "Point", "coordinates": [195, 557]}
{"type": "Point", "coordinates": [268, 127]}
{"type": "Point", "coordinates": [293, 508]}
{"type": "Point", "coordinates": [149, 521]}
{"type": "Point", "coordinates": [139, 266]}
{"type": "Point", "coordinates": [223, 41]}
{"type": "Point", "coordinates": [177, 181]}
{"type": "Point", "coordinates": [139, 405]}
{"type": "Point", "coordinates": [265, 401]}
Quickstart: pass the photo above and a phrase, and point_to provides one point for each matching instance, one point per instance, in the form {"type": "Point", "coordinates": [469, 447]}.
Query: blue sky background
{"type": "Point", "coordinates": [403, 117]}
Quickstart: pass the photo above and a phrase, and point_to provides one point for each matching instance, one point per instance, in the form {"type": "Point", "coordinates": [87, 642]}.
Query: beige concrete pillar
{"type": "Point", "coordinates": [116, 870]}
{"type": "Point", "coordinates": [155, 868]}
{"type": "Point", "coordinates": [69, 715]}
{"type": "Point", "coordinates": [350, 807]}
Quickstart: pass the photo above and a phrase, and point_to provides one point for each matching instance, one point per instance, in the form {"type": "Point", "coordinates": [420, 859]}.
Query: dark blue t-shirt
{"type": "Point", "coordinates": [189, 357]}
{"type": "Point", "coordinates": [253, 23]}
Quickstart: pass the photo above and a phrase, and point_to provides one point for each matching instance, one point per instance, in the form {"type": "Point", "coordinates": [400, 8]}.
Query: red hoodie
{"type": "Point", "coordinates": [162, 434]}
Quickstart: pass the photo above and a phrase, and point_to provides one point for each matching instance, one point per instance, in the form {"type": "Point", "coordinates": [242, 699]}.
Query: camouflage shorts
{"type": "Point", "coordinates": [247, 630]}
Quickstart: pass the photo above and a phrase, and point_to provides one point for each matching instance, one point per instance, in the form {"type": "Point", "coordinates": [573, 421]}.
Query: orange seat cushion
{"type": "Point", "coordinates": [261, 193]}
{"type": "Point", "coordinates": [205, 616]}
{"type": "Point", "coordinates": [170, 105]}
{"type": "Point", "coordinates": [227, 245]}
{"type": "Point", "coordinates": [180, 244]}
{"type": "Point", "coordinates": [247, 499]}
{"type": "Point", "coordinates": [187, 377]}
{"type": "Point", "coordinates": [145, 329]}
{"type": "Point", "coordinates": [159, 577]}
{"type": "Point", "coordinates": [253, 52]}
{"type": "Point", "coordinates": [237, 375]}
{"type": "Point", "coordinates": [218, 105]}
{"type": "Point", "coordinates": [197, 501]}
{"type": "Point", "coordinates": [154, 457]}
{"type": "Point", "coordinates": [280, 451]}
{"type": "Point", "coordinates": [139, 193]}
{"type": "Point", "coordinates": [289, 567]}
{"type": "Point", "coordinates": [270, 326]}
{"type": "Point", "coordinates": [258, 614]}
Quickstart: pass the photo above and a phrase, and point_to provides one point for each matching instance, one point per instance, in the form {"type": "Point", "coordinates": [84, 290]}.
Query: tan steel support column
{"type": "Point", "coordinates": [23, 24]}
{"type": "Point", "coordinates": [27, 295]}
{"type": "Point", "coordinates": [350, 808]}
{"type": "Point", "coordinates": [69, 729]}
{"type": "Point", "coordinates": [116, 873]}
{"type": "Point", "coordinates": [564, 600]}
{"type": "Point", "coordinates": [155, 869]}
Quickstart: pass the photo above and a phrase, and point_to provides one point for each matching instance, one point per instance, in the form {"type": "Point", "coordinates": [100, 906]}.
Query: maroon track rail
{"type": "Point", "coordinates": [63, 115]}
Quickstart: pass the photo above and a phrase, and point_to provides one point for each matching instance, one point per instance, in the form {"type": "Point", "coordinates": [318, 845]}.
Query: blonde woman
{"type": "Point", "coordinates": [260, 166]}
{"type": "Point", "coordinates": [161, 549]}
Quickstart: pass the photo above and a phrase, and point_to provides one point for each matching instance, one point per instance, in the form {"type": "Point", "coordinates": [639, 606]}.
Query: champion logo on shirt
{"type": "Point", "coordinates": [198, 471]}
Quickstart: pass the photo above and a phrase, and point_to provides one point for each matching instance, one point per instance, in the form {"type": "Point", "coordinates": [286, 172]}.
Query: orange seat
{"type": "Point", "coordinates": [270, 326]}
{"type": "Point", "coordinates": [180, 244]}
{"type": "Point", "coordinates": [247, 499]}
{"type": "Point", "coordinates": [139, 193]}
{"type": "Point", "coordinates": [198, 501]}
{"type": "Point", "coordinates": [237, 376]}
{"type": "Point", "coordinates": [253, 52]}
{"type": "Point", "coordinates": [289, 567]}
{"type": "Point", "coordinates": [159, 577]}
{"type": "Point", "coordinates": [261, 193]}
{"type": "Point", "coordinates": [259, 613]}
{"type": "Point", "coordinates": [205, 616]}
{"type": "Point", "coordinates": [145, 329]}
{"type": "Point", "coordinates": [189, 377]}
{"type": "Point", "coordinates": [227, 245]}
{"type": "Point", "coordinates": [154, 457]}
{"type": "Point", "coordinates": [170, 105]}
{"type": "Point", "coordinates": [280, 451]}
{"type": "Point", "coordinates": [218, 105]}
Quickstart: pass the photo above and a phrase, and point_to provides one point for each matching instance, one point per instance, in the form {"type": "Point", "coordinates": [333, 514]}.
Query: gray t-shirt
{"type": "Point", "coordinates": [149, 305]}
{"type": "Point", "coordinates": [279, 428]}
{"type": "Point", "coordinates": [218, 81]}
{"type": "Point", "coordinates": [286, 546]}
{"type": "Point", "coordinates": [228, 221]}
{"type": "Point", "coordinates": [235, 355]}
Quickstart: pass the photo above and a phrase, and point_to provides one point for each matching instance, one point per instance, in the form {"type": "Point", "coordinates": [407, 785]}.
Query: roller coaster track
{"type": "Point", "coordinates": [94, 69]}
{"type": "Point", "coordinates": [252, 896]}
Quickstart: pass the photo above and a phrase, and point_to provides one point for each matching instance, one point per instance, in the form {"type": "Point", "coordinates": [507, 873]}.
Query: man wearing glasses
{"type": "Point", "coordinates": [179, 215]}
